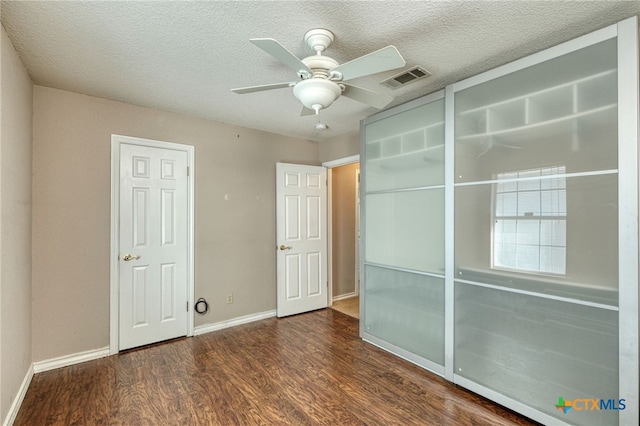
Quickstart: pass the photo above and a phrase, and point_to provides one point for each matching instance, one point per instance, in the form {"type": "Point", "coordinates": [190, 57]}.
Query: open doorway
{"type": "Point", "coordinates": [344, 237]}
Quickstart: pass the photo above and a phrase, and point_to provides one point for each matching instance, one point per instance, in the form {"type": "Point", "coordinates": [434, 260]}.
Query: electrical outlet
{"type": "Point", "coordinates": [230, 298]}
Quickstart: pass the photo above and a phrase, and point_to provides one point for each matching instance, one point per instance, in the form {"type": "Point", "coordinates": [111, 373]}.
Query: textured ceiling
{"type": "Point", "coordinates": [186, 56]}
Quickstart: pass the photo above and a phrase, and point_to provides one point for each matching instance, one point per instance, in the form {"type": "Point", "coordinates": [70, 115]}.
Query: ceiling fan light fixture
{"type": "Point", "coordinates": [322, 76]}
{"type": "Point", "coordinates": [316, 93]}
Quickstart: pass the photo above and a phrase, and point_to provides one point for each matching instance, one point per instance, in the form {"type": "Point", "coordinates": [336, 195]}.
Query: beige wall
{"type": "Point", "coordinates": [234, 244]}
{"type": "Point", "coordinates": [16, 93]}
{"type": "Point", "coordinates": [343, 229]}
{"type": "Point", "coordinates": [340, 147]}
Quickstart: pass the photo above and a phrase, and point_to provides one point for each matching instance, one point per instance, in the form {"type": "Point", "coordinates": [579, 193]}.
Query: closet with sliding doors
{"type": "Point", "coordinates": [500, 231]}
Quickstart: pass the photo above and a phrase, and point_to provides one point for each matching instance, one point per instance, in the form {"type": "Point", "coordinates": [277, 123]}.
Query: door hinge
{"type": "Point", "coordinates": [187, 306]}
{"type": "Point", "coordinates": [188, 171]}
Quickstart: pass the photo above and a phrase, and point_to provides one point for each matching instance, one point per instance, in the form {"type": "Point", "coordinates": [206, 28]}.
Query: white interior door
{"type": "Point", "coordinates": [301, 210]}
{"type": "Point", "coordinates": [154, 245]}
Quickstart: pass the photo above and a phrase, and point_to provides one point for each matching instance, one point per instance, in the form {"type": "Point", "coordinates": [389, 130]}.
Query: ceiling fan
{"type": "Point", "coordinates": [322, 79]}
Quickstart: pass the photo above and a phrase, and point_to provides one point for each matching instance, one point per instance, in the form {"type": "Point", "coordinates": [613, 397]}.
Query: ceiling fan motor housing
{"type": "Point", "coordinates": [320, 65]}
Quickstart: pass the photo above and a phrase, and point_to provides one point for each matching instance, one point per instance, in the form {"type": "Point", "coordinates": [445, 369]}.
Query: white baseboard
{"type": "Point", "coordinates": [77, 358]}
{"type": "Point", "coordinates": [67, 360]}
{"type": "Point", "coordinates": [344, 296]}
{"type": "Point", "coordinates": [207, 328]}
{"type": "Point", "coordinates": [17, 402]}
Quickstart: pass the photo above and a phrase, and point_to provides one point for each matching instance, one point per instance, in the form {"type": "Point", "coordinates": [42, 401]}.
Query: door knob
{"type": "Point", "coordinates": [283, 247]}
{"type": "Point", "coordinates": [128, 257]}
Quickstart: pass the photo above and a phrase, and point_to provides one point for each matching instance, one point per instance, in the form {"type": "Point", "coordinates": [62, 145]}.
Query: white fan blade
{"type": "Point", "coordinates": [243, 90]}
{"type": "Point", "coordinates": [275, 49]}
{"type": "Point", "coordinates": [385, 59]}
{"type": "Point", "coordinates": [366, 96]}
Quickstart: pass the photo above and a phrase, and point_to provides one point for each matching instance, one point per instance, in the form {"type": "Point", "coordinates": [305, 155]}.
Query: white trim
{"type": "Point", "coordinates": [356, 278]}
{"type": "Point", "coordinates": [17, 401]}
{"type": "Point", "coordinates": [67, 360]}
{"type": "Point", "coordinates": [345, 296]}
{"type": "Point", "coordinates": [449, 231]}
{"type": "Point", "coordinates": [342, 161]}
{"type": "Point", "coordinates": [628, 134]}
{"type": "Point", "coordinates": [329, 193]}
{"type": "Point", "coordinates": [116, 141]}
{"type": "Point", "coordinates": [114, 303]}
{"type": "Point", "coordinates": [207, 328]}
{"type": "Point", "coordinates": [363, 177]}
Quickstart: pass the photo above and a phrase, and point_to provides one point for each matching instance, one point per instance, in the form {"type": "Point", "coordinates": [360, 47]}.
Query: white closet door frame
{"type": "Point", "coordinates": [628, 134]}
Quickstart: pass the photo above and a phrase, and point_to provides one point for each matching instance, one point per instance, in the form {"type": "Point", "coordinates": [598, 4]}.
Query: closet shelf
{"type": "Point", "coordinates": [542, 112]}
{"type": "Point", "coordinates": [412, 148]}
{"type": "Point", "coordinates": [553, 127]}
{"type": "Point", "coordinates": [611, 74]}
{"type": "Point", "coordinates": [433, 156]}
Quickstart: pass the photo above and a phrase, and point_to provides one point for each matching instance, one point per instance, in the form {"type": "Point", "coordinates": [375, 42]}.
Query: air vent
{"type": "Point", "coordinates": [406, 77]}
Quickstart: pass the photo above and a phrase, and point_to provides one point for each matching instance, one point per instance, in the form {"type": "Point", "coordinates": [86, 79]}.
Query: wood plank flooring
{"type": "Point", "coordinates": [309, 369]}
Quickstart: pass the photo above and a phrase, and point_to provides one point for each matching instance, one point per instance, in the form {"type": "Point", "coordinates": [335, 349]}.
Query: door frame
{"type": "Point", "coordinates": [330, 165]}
{"type": "Point", "coordinates": [114, 310]}
{"type": "Point", "coordinates": [357, 236]}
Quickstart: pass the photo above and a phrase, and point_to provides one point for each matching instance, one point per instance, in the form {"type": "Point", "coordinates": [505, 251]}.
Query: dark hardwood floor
{"type": "Point", "coordinates": [309, 369]}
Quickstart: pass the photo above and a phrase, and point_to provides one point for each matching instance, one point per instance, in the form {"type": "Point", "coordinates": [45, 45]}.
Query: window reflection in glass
{"type": "Point", "coordinates": [530, 215]}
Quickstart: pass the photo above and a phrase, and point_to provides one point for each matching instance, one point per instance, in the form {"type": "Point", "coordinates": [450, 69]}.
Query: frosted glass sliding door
{"type": "Point", "coordinates": [405, 149]}
{"type": "Point", "coordinates": [406, 310]}
{"type": "Point", "coordinates": [403, 231]}
{"type": "Point", "coordinates": [536, 233]}
{"type": "Point", "coordinates": [536, 350]}
{"type": "Point", "coordinates": [501, 234]}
